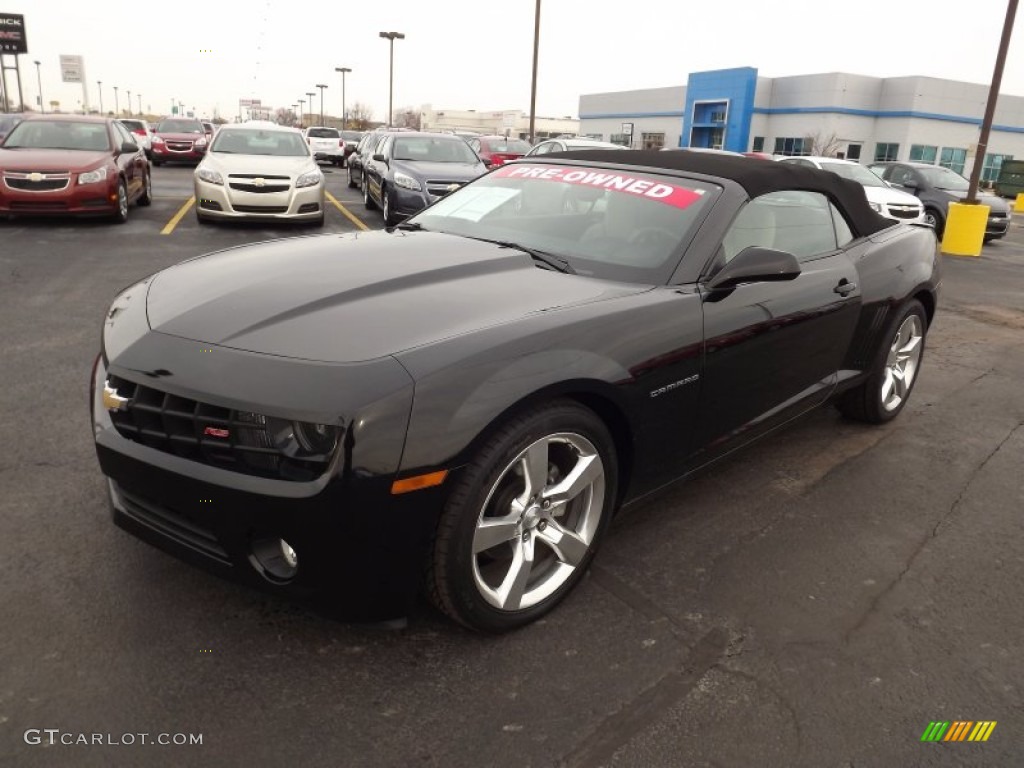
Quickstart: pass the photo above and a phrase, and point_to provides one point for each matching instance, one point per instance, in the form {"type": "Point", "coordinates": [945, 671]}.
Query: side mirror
{"type": "Point", "coordinates": [379, 157]}
{"type": "Point", "coordinates": [755, 265]}
{"type": "Point", "coordinates": [129, 147]}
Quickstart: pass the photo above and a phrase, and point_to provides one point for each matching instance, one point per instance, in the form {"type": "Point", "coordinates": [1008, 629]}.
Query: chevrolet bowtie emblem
{"type": "Point", "coordinates": [113, 401]}
{"type": "Point", "coordinates": [259, 182]}
{"type": "Point", "coordinates": [35, 177]}
{"type": "Point", "coordinates": [452, 187]}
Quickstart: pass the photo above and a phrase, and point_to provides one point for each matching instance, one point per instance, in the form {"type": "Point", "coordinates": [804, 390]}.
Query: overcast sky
{"type": "Point", "coordinates": [462, 54]}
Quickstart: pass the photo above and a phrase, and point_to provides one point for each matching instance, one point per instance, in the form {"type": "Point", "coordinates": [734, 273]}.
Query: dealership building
{"type": "Point", "coordinates": [839, 114]}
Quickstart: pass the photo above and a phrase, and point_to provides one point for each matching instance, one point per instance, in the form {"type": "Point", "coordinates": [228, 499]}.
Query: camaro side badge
{"type": "Point", "coordinates": [675, 385]}
{"type": "Point", "coordinates": [113, 401]}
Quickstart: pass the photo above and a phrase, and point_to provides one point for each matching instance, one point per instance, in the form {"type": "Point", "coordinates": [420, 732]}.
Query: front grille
{"type": "Point", "coordinates": [49, 182]}
{"type": "Point", "coordinates": [309, 207]}
{"type": "Point", "coordinates": [19, 205]}
{"type": "Point", "coordinates": [261, 208]}
{"type": "Point", "coordinates": [441, 187]}
{"type": "Point", "coordinates": [998, 215]}
{"type": "Point", "coordinates": [179, 146]}
{"type": "Point", "coordinates": [172, 524]}
{"type": "Point", "coordinates": [905, 211]}
{"type": "Point", "coordinates": [257, 176]}
{"type": "Point", "coordinates": [257, 188]}
{"type": "Point", "coordinates": [210, 434]}
{"type": "Point", "coordinates": [210, 205]}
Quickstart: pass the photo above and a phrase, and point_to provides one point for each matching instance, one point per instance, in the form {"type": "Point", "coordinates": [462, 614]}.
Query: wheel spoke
{"type": "Point", "coordinates": [899, 382]}
{"type": "Point", "coordinates": [535, 468]}
{"type": "Point", "coordinates": [492, 531]}
{"type": "Point", "coordinates": [887, 385]}
{"type": "Point", "coordinates": [566, 544]}
{"type": "Point", "coordinates": [513, 586]}
{"type": "Point", "coordinates": [909, 348]}
{"type": "Point", "coordinates": [586, 471]}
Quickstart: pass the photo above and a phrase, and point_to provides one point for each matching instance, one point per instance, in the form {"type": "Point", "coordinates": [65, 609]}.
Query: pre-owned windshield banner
{"type": "Point", "coordinates": [652, 189]}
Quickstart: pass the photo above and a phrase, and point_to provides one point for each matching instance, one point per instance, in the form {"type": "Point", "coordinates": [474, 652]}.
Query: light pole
{"type": "Point", "coordinates": [39, 80]}
{"type": "Point", "coordinates": [302, 103]}
{"type": "Point", "coordinates": [391, 37]}
{"type": "Point", "coordinates": [343, 70]}
{"type": "Point", "coordinates": [533, 83]}
{"type": "Point", "coordinates": [295, 108]}
{"type": "Point", "coordinates": [321, 87]}
{"type": "Point", "coordinates": [129, 103]}
{"type": "Point", "coordinates": [99, 89]}
{"type": "Point", "coordinates": [139, 95]}
{"type": "Point", "coordinates": [117, 109]}
{"type": "Point", "coordinates": [312, 104]}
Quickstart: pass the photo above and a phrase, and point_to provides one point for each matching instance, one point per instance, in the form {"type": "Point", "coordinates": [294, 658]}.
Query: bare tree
{"type": "Point", "coordinates": [360, 117]}
{"type": "Point", "coordinates": [407, 117]}
{"type": "Point", "coordinates": [823, 144]}
{"type": "Point", "coordinates": [284, 116]}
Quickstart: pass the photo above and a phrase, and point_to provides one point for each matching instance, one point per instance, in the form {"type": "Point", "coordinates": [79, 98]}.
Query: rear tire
{"type": "Point", "coordinates": [367, 200]}
{"type": "Point", "coordinates": [146, 198]}
{"type": "Point", "coordinates": [894, 371]}
{"type": "Point", "coordinates": [524, 519]}
{"type": "Point", "coordinates": [351, 181]}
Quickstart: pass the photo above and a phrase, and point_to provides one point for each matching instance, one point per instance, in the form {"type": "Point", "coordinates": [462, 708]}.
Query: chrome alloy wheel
{"type": "Point", "coordinates": [538, 521]}
{"type": "Point", "coordinates": [901, 364]}
{"type": "Point", "coordinates": [122, 201]}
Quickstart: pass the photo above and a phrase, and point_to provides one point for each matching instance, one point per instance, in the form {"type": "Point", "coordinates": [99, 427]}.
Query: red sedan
{"type": "Point", "coordinates": [72, 164]}
{"type": "Point", "coordinates": [179, 139]}
{"type": "Point", "coordinates": [496, 150]}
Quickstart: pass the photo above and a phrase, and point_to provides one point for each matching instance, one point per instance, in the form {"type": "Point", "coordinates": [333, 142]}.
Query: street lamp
{"type": "Point", "coordinates": [117, 109]}
{"type": "Point", "coordinates": [294, 112]}
{"type": "Point", "coordinates": [312, 104]}
{"type": "Point", "coordinates": [533, 83]}
{"type": "Point", "coordinates": [391, 37]}
{"type": "Point", "coordinates": [321, 87]}
{"type": "Point", "coordinates": [99, 88]}
{"type": "Point", "coordinates": [139, 95]}
{"type": "Point", "coordinates": [343, 70]}
{"type": "Point", "coordinates": [302, 103]}
{"type": "Point", "coordinates": [129, 103]}
{"type": "Point", "coordinates": [39, 79]}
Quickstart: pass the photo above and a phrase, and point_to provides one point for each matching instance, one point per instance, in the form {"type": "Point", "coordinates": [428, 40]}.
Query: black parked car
{"type": "Point", "coordinates": [409, 171]}
{"type": "Point", "coordinates": [460, 404]}
{"type": "Point", "coordinates": [359, 156]}
{"type": "Point", "coordinates": [937, 187]}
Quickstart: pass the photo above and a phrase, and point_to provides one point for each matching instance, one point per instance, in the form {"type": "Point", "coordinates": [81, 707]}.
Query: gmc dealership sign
{"type": "Point", "coordinates": [12, 33]}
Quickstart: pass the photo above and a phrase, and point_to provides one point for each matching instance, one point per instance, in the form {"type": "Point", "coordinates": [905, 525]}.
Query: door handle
{"type": "Point", "coordinates": [845, 287]}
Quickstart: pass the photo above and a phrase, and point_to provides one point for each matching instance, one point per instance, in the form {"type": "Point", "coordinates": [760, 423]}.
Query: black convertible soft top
{"type": "Point", "coordinates": [755, 175]}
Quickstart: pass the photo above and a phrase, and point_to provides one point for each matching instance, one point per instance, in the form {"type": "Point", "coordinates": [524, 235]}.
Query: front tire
{"type": "Point", "coordinates": [935, 220]}
{"type": "Point", "coordinates": [120, 215]}
{"type": "Point", "coordinates": [524, 519]}
{"type": "Point", "coordinates": [884, 393]}
{"type": "Point", "coordinates": [390, 218]}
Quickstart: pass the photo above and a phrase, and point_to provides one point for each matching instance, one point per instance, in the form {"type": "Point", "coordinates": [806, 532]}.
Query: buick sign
{"type": "Point", "coordinates": [12, 33]}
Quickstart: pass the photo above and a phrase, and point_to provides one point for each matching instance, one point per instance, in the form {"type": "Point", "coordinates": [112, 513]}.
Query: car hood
{"type": "Point", "coordinates": [446, 171]}
{"type": "Point", "coordinates": [51, 159]}
{"type": "Point", "coordinates": [888, 195]}
{"type": "Point", "coordinates": [356, 297]}
{"type": "Point", "coordinates": [228, 163]}
{"type": "Point", "coordinates": [993, 202]}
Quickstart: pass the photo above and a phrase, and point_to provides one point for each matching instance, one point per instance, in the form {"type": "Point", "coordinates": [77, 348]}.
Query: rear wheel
{"type": "Point", "coordinates": [146, 198]}
{"type": "Point", "coordinates": [887, 388]}
{"type": "Point", "coordinates": [351, 181]}
{"type": "Point", "coordinates": [523, 521]}
{"type": "Point", "coordinates": [367, 200]}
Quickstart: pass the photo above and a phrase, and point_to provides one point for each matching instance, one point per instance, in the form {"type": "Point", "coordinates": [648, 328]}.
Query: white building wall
{"type": "Point", "coordinates": [651, 110]}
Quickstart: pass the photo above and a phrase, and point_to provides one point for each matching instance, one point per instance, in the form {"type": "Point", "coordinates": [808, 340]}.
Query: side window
{"type": "Point", "coordinates": [123, 135]}
{"type": "Point", "coordinates": [844, 235]}
{"type": "Point", "coordinates": [474, 145]}
{"type": "Point", "coordinates": [383, 146]}
{"type": "Point", "coordinates": [543, 149]}
{"type": "Point", "coordinates": [797, 222]}
{"type": "Point", "coordinates": [901, 175]}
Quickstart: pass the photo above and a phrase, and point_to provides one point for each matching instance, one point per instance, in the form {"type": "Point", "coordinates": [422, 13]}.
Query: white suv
{"type": "Point", "coordinates": [326, 144]}
{"type": "Point", "coordinates": [891, 203]}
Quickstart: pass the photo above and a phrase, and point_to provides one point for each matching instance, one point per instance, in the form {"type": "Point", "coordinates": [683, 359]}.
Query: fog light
{"type": "Point", "coordinates": [275, 558]}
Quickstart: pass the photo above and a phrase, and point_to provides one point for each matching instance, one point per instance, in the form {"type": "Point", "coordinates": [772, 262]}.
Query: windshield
{"type": "Point", "coordinates": [943, 178]}
{"type": "Point", "coordinates": [352, 137]}
{"type": "Point", "coordinates": [6, 121]}
{"type": "Point", "coordinates": [435, 149]}
{"type": "Point", "coordinates": [323, 133]}
{"type": "Point", "coordinates": [615, 225]}
{"type": "Point", "coordinates": [180, 126]}
{"type": "Point", "coordinates": [513, 146]}
{"type": "Point", "coordinates": [857, 173]}
{"type": "Point", "coordinates": [58, 134]}
{"type": "Point", "coordinates": [248, 142]}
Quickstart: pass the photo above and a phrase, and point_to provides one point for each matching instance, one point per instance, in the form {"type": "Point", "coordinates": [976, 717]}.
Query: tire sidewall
{"type": "Point", "coordinates": [876, 409]}
{"type": "Point", "coordinates": [462, 510]}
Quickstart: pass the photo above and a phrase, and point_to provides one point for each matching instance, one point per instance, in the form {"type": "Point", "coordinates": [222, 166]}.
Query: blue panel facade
{"type": "Point", "coordinates": [719, 105]}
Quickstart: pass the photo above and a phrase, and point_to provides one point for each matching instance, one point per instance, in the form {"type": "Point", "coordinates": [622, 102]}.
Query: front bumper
{"type": "Point", "coordinates": [220, 201]}
{"type": "Point", "coordinates": [997, 226]}
{"type": "Point", "coordinates": [76, 199]}
{"type": "Point", "coordinates": [162, 151]}
{"type": "Point", "coordinates": [360, 549]}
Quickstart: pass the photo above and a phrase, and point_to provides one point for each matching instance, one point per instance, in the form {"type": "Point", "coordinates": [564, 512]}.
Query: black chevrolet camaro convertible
{"type": "Point", "coordinates": [459, 405]}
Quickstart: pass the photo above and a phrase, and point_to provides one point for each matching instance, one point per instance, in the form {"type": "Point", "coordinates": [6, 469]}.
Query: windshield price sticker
{"type": "Point", "coordinates": [669, 194]}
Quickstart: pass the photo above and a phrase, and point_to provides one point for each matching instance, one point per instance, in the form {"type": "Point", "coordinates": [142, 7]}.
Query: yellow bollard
{"type": "Point", "coordinates": [965, 229]}
{"type": "Point", "coordinates": [1018, 206]}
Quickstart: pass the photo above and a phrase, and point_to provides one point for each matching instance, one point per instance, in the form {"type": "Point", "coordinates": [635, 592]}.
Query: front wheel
{"type": "Point", "coordinates": [887, 388]}
{"type": "Point", "coordinates": [935, 220]}
{"type": "Point", "coordinates": [120, 215]}
{"type": "Point", "coordinates": [390, 218]}
{"type": "Point", "coordinates": [146, 198]}
{"type": "Point", "coordinates": [523, 521]}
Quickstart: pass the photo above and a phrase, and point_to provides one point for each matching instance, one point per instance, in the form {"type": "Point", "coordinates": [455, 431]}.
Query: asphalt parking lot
{"type": "Point", "coordinates": [814, 601]}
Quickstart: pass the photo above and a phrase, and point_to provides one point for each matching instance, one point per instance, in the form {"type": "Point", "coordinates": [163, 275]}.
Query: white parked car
{"type": "Point", "coordinates": [140, 130]}
{"type": "Point", "coordinates": [569, 145]}
{"type": "Point", "coordinates": [326, 144]}
{"type": "Point", "coordinates": [891, 203]}
{"type": "Point", "coordinates": [259, 171]}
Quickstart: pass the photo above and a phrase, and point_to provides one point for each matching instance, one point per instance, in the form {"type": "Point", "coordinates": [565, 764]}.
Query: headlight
{"type": "Point", "coordinates": [875, 206]}
{"type": "Point", "coordinates": [406, 182]}
{"type": "Point", "coordinates": [91, 177]}
{"type": "Point", "coordinates": [310, 179]}
{"type": "Point", "coordinates": [209, 175]}
{"type": "Point", "coordinates": [157, 140]}
{"type": "Point", "coordinates": [302, 439]}
{"type": "Point", "coordinates": [200, 142]}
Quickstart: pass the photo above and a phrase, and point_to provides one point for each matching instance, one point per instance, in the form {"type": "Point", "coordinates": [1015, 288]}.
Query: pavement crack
{"type": "Point", "coordinates": [923, 544]}
{"type": "Point", "coordinates": [782, 699]}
